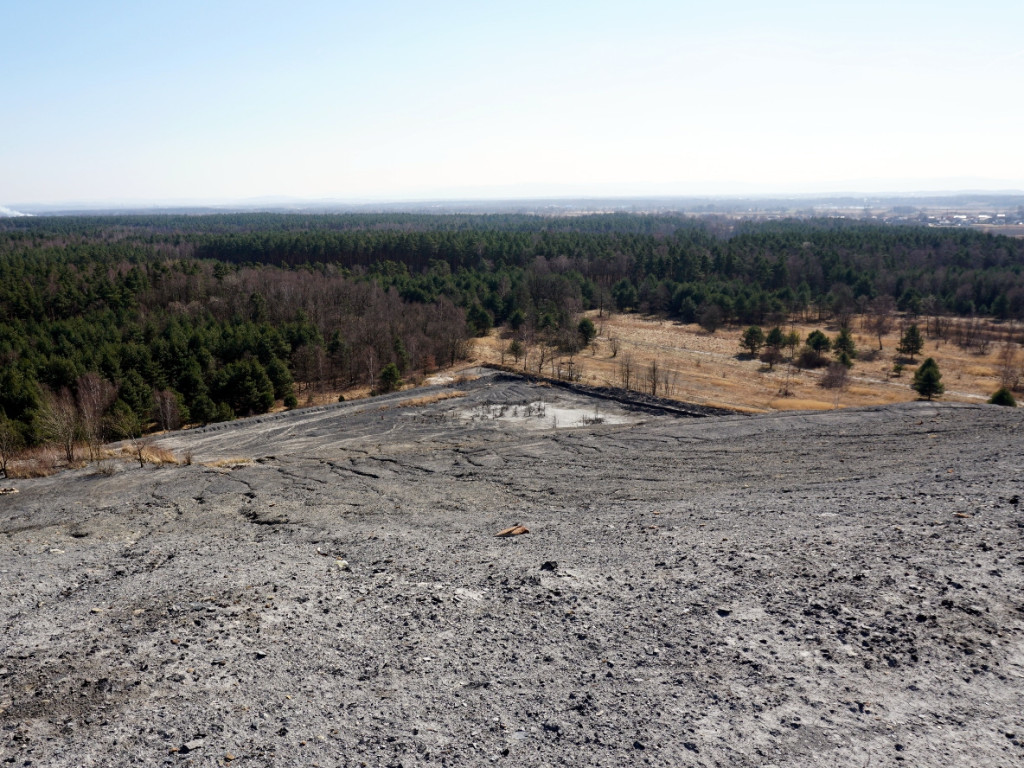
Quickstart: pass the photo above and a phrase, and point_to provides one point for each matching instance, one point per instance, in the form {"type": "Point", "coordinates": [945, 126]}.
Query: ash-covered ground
{"type": "Point", "coordinates": [840, 588]}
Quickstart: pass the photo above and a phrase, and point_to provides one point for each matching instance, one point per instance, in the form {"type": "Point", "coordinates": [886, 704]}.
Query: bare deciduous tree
{"type": "Point", "coordinates": [651, 379]}
{"type": "Point", "coordinates": [879, 320]}
{"type": "Point", "coordinates": [627, 372]}
{"type": "Point", "coordinates": [58, 421]}
{"type": "Point", "coordinates": [837, 379]}
{"type": "Point", "coordinates": [128, 425]}
{"type": "Point", "coordinates": [1011, 367]}
{"type": "Point", "coordinates": [95, 395]}
{"type": "Point", "coordinates": [669, 379]}
{"type": "Point", "coordinates": [165, 409]}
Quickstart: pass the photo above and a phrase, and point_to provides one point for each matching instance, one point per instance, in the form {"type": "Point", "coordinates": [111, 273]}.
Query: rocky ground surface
{"type": "Point", "coordinates": [841, 588]}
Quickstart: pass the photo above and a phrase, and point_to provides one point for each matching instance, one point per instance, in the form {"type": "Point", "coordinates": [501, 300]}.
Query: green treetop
{"type": "Point", "coordinates": [927, 380]}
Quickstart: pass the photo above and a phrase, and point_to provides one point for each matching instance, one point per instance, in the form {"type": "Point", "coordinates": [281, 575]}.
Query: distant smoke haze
{"type": "Point", "coordinates": [10, 213]}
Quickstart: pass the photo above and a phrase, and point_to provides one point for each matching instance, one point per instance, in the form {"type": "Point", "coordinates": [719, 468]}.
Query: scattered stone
{"type": "Point", "coordinates": [189, 746]}
{"type": "Point", "coordinates": [515, 530]}
{"type": "Point", "coordinates": [549, 565]}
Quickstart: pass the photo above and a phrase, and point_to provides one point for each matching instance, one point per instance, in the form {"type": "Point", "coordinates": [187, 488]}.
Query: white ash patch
{"type": "Point", "coordinates": [541, 415]}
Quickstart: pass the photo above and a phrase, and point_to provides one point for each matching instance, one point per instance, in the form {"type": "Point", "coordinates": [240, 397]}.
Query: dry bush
{"type": "Point", "coordinates": [155, 454]}
{"type": "Point", "coordinates": [105, 467]}
{"type": "Point", "coordinates": [42, 461]}
{"type": "Point", "coordinates": [230, 463]}
{"type": "Point", "coordinates": [836, 377]}
{"type": "Point", "coordinates": [150, 454]}
{"type": "Point", "coordinates": [417, 402]}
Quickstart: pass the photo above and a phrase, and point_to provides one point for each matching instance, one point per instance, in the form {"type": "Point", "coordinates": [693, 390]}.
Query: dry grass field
{"type": "Point", "coordinates": [704, 368]}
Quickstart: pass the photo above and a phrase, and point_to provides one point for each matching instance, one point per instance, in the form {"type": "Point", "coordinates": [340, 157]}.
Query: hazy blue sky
{"type": "Point", "coordinates": [208, 101]}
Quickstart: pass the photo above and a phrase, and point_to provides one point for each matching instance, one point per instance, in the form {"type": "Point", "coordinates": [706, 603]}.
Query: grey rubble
{"type": "Point", "coordinates": [840, 588]}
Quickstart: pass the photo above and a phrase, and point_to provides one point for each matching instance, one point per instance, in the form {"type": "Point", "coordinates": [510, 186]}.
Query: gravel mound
{"type": "Point", "coordinates": [325, 588]}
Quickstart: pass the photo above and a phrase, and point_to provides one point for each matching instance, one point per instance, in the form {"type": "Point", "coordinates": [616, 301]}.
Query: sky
{"type": "Point", "coordinates": [225, 101]}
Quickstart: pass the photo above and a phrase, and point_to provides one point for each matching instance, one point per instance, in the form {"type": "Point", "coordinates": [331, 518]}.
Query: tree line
{"type": "Point", "coordinates": [200, 318]}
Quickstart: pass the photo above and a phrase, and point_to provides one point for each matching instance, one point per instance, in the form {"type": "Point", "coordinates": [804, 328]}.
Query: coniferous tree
{"type": "Point", "coordinates": [927, 380]}
{"type": "Point", "coordinates": [844, 347]}
{"type": "Point", "coordinates": [587, 331]}
{"type": "Point", "coordinates": [911, 342]}
{"type": "Point", "coordinates": [773, 342]}
{"type": "Point", "coordinates": [390, 378]}
{"type": "Point", "coordinates": [819, 342]}
{"type": "Point", "coordinates": [753, 340]}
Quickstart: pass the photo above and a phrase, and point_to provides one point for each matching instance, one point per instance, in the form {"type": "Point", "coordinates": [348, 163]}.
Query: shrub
{"type": "Point", "coordinates": [836, 377]}
{"type": "Point", "coordinates": [810, 359]}
{"type": "Point", "coordinates": [1003, 396]}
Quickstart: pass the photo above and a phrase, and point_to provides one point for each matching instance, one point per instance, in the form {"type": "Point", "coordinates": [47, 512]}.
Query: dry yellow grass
{"type": "Point", "coordinates": [980, 371]}
{"type": "Point", "coordinates": [707, 369]}
{"type": "Point", "coordinates": [154, 454]}
{"type": "Point", "coordinates": [229, 463]}
{"type": "Point", "coordinates": [151, 454]}
{"type": "Point", "coordinates": [41, 461]}
{"type": "Point", "coordinates": [418, 402]}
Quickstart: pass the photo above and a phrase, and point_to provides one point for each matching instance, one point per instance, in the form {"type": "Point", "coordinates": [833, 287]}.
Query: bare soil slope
{"type": "Point", "coordinates": [838, 588]}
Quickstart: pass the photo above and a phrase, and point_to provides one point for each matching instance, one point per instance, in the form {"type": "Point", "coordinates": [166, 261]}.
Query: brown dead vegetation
{"type": "Point", "coordinates": [41, 461]}
{"type": "Point", "coordinates": [684, 362]}
{"type": "Point", "coordinates": [233, 462]}
{"type": "Point", "coordinates": [419, 402]}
